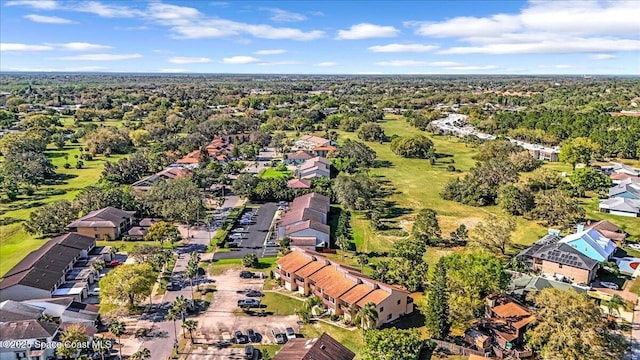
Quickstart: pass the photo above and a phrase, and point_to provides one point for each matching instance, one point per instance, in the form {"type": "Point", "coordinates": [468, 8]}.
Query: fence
{"type": "Point", "coordinates": [454, 349]}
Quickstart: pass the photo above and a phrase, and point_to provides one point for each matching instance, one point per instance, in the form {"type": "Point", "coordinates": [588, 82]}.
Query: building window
{"type": "Point", "coordinates": [382, 309]}
{"type": "Point", "coordinates": [398, 301]}
{"type": "Point", "coordinates": [389, 317]}
{"type": "Point", "coordinates": [559, 266]}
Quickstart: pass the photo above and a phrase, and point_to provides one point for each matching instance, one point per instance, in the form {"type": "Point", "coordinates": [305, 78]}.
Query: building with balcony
{"type": "Point", "coordinates": [342, 289]}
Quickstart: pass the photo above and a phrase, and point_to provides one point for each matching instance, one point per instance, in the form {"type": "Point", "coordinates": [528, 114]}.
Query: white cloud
{"type": "Point", "coordinates": [551, 46]}
{"type": "Point", "coordinates": [81, 46]}
{"type": "Point", "coordinates": [189, 60]}
{"type": "Point", "coordinates": [270, 52]}
{"type": "Point", "coordinates": [544, 27]}
{"type": "Point", "coordinates": [602, 56]}
{"type": "Point", "coordinates": [132, 28]}
{"type": "Point", "coordinates": [326, 64]}
{"type": "Point", "coordinates": [399, 48]}
{"type": "Point", "coordinates": [173, 70]}
{"type": "Point", "coordinates": [100, 57]}
{"type": "Point", "coordinates": [367, 31]}
{"type": "Point", "coordinates": [36, 4]}
{"type": "Point", "coordinates": [104, 10]}
{"type": "Point", "coordinates": [279, 15]}
{"type": "Point", "coordinates": [241, 60]}
{"type": "Point", "coordinates": [23, 47]}
{"type": "Point", "coordinates": [48, 19]}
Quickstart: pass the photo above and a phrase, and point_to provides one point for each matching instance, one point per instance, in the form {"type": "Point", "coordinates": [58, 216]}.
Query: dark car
{"type": "Point", "coordinates": [248, 351]}
{"type": "Point", "coordinates": [250, 303]}
{"type": "Point", "coordinates": [173, 286]}
{"type": "Point", "coordinates": [240, 338]}
{"type": "Point", "coordinates": [254, 293]}
{"type": "Point", "coordinates": [246, 274]}
{"type": "Point", "coordinates": [223, 344]}
{"type": "Point", "coordinates": [233, 244]}
{"type": "Point", "coordinates": [253, 336]}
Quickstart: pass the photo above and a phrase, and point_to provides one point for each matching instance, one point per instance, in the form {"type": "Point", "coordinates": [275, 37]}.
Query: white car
{"type": "Point", "coordinates": [634, 246]}
{"type": "Point", "coordinates": [609, 285]}
{"type": "Point", "coordinates": [95, 292]}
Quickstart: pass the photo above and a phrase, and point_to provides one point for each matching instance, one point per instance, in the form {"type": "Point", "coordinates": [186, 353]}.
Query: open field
{"type": "Point", "coordinates": [15, 243]}
{"type": "Point", "coordinates": [274, 174]}
{"type": "Point", "coordinates": [418, 186]}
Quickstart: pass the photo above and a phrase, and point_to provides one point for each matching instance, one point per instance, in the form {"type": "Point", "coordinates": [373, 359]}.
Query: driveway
{"type": "Point", "coordinates": [255, 237]}
{"type": "Point", "coordinates": [223, 316]}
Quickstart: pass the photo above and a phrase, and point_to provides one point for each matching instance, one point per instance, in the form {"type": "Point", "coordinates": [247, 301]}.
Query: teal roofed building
{"type": "Point", "coordinates": [591, 243]}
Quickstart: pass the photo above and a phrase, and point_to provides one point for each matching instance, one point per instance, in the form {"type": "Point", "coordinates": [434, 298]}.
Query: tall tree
{"type": "Point", "coordinates": [494, 234]}
{"type": "Point", "coordinates": [437, 306]}
{"type": "Point", "coordinates": [367, 317]}
{"type": "Point", "coordinates": [426, 227]}
{"type": "Point", "coordinates": [344, 244]}
{"type": "Point", "coordinates": [557, 208]}
{"type": "Point", "coordinates": [190, 326]}
{"type": "Point", "coordinates": [41, 222]}
{"type": "Point", "coordinates": [579, 150]}
{"type": "Point", "coordinates": [117, 328]}
{"type": "Point", "coordinates": [392, 344]}
{"type": "Point", "coordinates": [586, 179]}
{"type": "Point", "coordinates": [72, 340]}
{"type": "Point", "coordinates": [128, 284]}
{"type": "Point", "coordinates": [162, 231]}
{"type": "Point", "coordinates": [588, 336]}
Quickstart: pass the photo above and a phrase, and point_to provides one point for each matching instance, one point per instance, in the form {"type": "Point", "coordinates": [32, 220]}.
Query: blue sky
{"type": "Point", "coordinates": [323, 37]}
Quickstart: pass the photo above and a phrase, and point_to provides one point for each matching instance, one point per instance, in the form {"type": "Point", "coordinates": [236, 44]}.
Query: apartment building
{"type": "Point", "coordinates": [342, 289]}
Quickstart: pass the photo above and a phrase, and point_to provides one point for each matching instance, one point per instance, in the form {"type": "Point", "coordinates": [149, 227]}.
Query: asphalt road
{"type": "Point", "coordinates": [254, 239]}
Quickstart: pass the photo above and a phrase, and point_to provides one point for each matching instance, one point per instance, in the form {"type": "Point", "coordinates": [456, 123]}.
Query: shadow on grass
{"type": "Point", "coordinates": [382, 164]}
{"type": "Point", "coordinates": [411, 321]}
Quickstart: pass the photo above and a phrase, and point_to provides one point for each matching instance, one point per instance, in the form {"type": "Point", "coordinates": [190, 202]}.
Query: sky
{"type": "Point", "coordinates": [322, 37]}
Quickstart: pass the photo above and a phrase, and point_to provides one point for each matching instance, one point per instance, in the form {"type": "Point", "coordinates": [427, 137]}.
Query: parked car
{"type": "Point", "coordinates": [223, 344]}
{"type": "Point", "coordinates": [95, 292]}
{"type": "Point", "coordinates": [253, 336]}
{"type": "Point", "coordinates": [248, 351]}
{"type": "Point", "coordinates": [249, 303]}
{"type": "Point", "coordinates": [246, 274]}
{"type": "Point", "coordinates": [254, 293]}
{"type": "Point", "coordinates": [271, 244]}
{"type": "Point", "coordinates": [634, 246]}
{"type": "Point", "coordinates": [240, 338]}
{"type": "Point", "coordinates": [114, 263]}
{"type": "Point", "coordinates": [291, 334]}
{"type": "Point", "coordinates": [233, 244]}
{"type": "Point", "coordinates": [609, 285]}
{"type": "Point", "coordinates": [279, 336]}
{"type": "Point", "coordinates": [173, 286]}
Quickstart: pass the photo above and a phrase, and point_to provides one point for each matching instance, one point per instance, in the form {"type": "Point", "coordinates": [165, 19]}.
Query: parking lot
{"type": "Point", "coordinates": [223, 317]}
{"type": "Point", "coordinates": [252, 234]}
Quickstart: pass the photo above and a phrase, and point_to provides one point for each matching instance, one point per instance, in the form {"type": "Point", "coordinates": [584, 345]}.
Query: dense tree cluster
{"type": "Point", "coordinates": [416, 146]}
{"type": "Point", "coordinates": [405, 265]}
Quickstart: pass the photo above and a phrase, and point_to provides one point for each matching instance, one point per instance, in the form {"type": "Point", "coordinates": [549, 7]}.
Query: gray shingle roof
{"type": "Point", "coordinates": [106, 217]}
{"type": "Point", "coordinates": [27, 329]}
{"type": "Point", "coordinates": [564, 254]}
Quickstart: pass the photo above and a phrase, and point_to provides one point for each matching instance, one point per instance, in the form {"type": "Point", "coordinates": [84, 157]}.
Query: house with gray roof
{"type": "Point", "coordinates": [108, 223]}
{"type": "Point", "coordinates": [620, 206]}
{"type": "Point", "coordinates": [628, 188]}
{"type": "Point", "coordinates": [562, 261]}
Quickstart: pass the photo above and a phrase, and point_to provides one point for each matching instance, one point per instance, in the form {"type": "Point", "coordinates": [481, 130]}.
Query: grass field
{"type": "Point", "coordinates": [418, 185]}
{"type": "Point", "coordinates": [274, 174]}
{"type": "Point", "coordinates": [15, 243]}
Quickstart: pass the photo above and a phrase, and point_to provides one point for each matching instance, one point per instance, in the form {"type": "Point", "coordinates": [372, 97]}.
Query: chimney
{"type": "Point", "coordinates": [555, 232]}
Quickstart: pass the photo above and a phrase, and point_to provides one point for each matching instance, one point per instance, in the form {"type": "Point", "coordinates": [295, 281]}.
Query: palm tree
{"type": "Point", "coordinates": [117, 328]}
{"type": "Point", "coordinates": [174, 315]}
{"type": "Point", "coordinates": [614, 304]}
{"type": "Point", "coordinates": [363, 259]}
{"type": "Point", "coordinates": [180, 305]}
{"type": "Point", "coordinates": [46, 318]}
{"type": "Point", "coordinates": [190, 325]}
{"type": "Point", "coordinates": [142, 354]}
{"type": "Point", "coordinates": [367, 317]}
{"type": "Point", "coordinates": [101, 344]}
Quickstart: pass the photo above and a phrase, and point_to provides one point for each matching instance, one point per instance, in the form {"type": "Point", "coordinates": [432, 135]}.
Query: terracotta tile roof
{"type": "Point", "coordinates": [516, 314]}
{"type": "Point", "coordinates": [299, 184]}
{"type": "Point", "coordinates": [356, 293]}
{"type": "Point", "coordinates": [191, 158]}
{"type": "Point", "coordinates": [335, 284]}
{"type": "Point", "coordinates": [324, 148]}
{"type": "Point", "coordinates": [299, 155]}
{"type": "Point", "coordinates": [310, 241]}
{"type": "Point", "coordinates": [310, 269]}
{"type": "Point", "coordinates": [293, 261]}
{"type": "Point", "coordinates": [376, 296]}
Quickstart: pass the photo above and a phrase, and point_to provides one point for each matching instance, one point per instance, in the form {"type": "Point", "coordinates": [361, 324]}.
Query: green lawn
{"type": "Point", "coordinates": [418, 185]}
{"type": "Point", "coordinates": [352, 339]}
{"type": "Point", "coordinates": [282, 305]}
{"type": "Point", "coordinates": [15, 243]}
{"type": "Point", "coordinates": [274, 174]}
